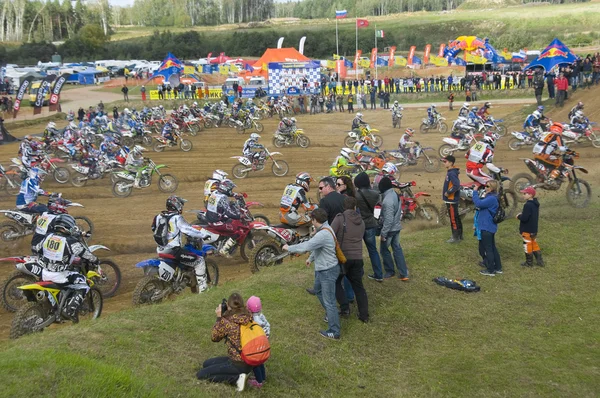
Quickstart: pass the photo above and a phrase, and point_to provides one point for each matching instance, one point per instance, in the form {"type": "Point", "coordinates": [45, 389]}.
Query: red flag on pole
{"type": "Point", "coordinates": [426, 54]}
{"type": "Point", "coordinates": [362, 23]}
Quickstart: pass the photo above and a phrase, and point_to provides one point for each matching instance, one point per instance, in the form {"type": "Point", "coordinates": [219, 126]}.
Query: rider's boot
{"type": "Point", "coordinates": [73, 304]}
{"type": "Point", "coordinates": [455, 237]}
{"type": "Point", "coordinates": [227, 246]}
{"type": "Point", "coordinates": [200, 271]}
{"type": "Point", "coordinates": [538, 258]}
{"type": "Point", "coordinates": [528, 260]}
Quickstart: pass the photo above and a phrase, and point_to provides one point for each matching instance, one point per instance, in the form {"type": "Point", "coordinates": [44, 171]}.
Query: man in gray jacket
{"type": "Point", "coordinates": [322, 251]}
{"type": "Point", "coordinates": [390, 231]}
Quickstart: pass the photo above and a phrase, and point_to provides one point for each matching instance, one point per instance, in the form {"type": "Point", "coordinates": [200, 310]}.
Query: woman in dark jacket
{"type": "Point", "coordinates": [231, 369]}
{"type": "Point", "coordinates": [344, 186]}
{"type": "Point", "coordinates": [487, 206]}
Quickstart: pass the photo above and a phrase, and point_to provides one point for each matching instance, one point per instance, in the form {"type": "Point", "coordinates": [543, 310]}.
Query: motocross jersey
{"type": "Point", "coordinates": [580, 122]}
{"type": "Point", "coordinates": [482, 112]}
{"type": "Point", "coordinates": [177, 227]}
{"type": "Point", "coordinates": [573, 110]}
{"type": "Point", "coordinates": [356, 123]}
{"type": "Point", "coordinates": [548, 144]}
{"type": "Point", "coordinates": [284, 129]}
{"type": "Point", "coordinates": [432, 112]}
{"type": "Point", "coordinates": [396, 109]}
{"type": "Point", "coordinates": [219, 208]}
{"type": "Point", "coordinates": [209, 187]}
{"type": "Point", "coordinates": [404, 141]}
{"type": "Point", "coordinates": [293, 197]}
{"type": "Point", "coordinates": [472, 119]}
{"type": "Point", "coordinates": [43, 224]}
{"type": "Point", "coordinates": [363, 147]}
{"type": "Point", "coordinates": [58, 252]}
{"type": "Point", "coordinates": [30, 189]}
{"type": "Point", "coordinates": [250, 146]}
{"type": "Point", "coordinates": [478, 155]}
{"type": "Point", "coordinates": [133, 160]}
{"type": "Point", "coordinates": [531, 122]}
{"type": "Point", "coordinates": [464, 112]}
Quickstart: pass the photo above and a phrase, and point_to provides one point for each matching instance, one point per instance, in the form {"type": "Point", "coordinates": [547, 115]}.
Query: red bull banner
{"type": "Point", "coordinates": [357, 57]}
{"type": "Point", "coordinates": [442, 48]}
{"type": "Point", "coordinates": [58, 85]}
{"type": "Point", "coordinates": [373, 57]}
{"type": "Point", "coordinates": [426, 54]}
{"type": "Point", "coordinates": [392, 55]}
{"type": "Point", "coordinates": [20, 94]}
{"type": "Point", "coordinates": [411, 54]}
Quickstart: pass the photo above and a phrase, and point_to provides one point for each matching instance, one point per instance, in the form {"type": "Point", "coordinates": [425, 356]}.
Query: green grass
{"type": "Point", "coordinates": [529, 332]}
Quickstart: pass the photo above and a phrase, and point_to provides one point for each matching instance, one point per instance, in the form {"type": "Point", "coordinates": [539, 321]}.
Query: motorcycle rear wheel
{"type": "Point", "coordinates": [13, 298]}
{"type": "Point", "coordinates": [281, 168]}
{"type": "Point", "coordinates": [15, 179]}
{"type": "Point", "coordinates": [26, 318]}
{"type": "Point", "coordinates": [259, 127]}
{"type": "Point", "coordinates": [92, 305]}
{"type": "Point", "coordinates": [128, 142]}
{"type": "Point", "coordinates": [167, 183]}
{"type": "Point", "coordinates": [442, 127]}
{"type": "Point", "coordinates": [158, 146]}
{"type": "Point", "coordinates": [377, 140]}
{"type": "Point", "coordinates": [428, 212]}
{"type": "Point", "coordinates": [501, 130]}
{"type": "Point", "coordinates": [579, 195]}
{"type": "Point", "coordinates": [108, 285]}
{"type": "Point", "coordinates": [262, 254]}
{"type": "Point", "coordinates": [208, 123]}
{"type": "Point", "coordinates": [79, 180]}
{"type": "Point", "coordinates": [278, 143]}
{"type": "Point", "coordinates": [423, 128]}
{"type": "Point", "coordinates": [262, 218]}
{"type": "Point", "coordinates": [303, 141]}
{"type": "Point", "coordinates": [147, 140]}
{"type": "Point", "coordinates": [445, 150]}
{"type": "Point", "coordinates": [514, 144]}
{"type": "Point", "coordinates": [146, 288]}
{"type": "Point", "coordinates": [8, 228]}
{"type": "Point", "coordinates": [519, 183]}
{"type": "Point", "coordinates": [120, 190]}
{"type": "Point", "coordinates": [349, 142]}
{"type": "Point", "coordinates": [238, 170]}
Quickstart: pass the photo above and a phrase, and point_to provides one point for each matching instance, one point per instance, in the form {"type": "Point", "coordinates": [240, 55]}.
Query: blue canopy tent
{"type": "Point", "coordinates": [555, 54]}
{"type": "Point", "coordinates": [87, 76]}
{"type": "Point", "coordinates": [170, 69]}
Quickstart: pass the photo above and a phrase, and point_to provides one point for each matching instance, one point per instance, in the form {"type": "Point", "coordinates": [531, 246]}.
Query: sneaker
{"type": "Point", "coordinates": [255, 384]}
{"type": "Point", "coordinates": [481, 264]}
{"type": "Point", "coordinates": [453, 240]}
{"type": "Point", "coordinates": [327, 335]}
{"type": "Point", "coordinates": [403, 278]}
{"type": "Point", "coordinates": [325, 319]}
{"type": "Point", "coordinates": [499, 272]}
{"type": "Point", "coordinates": [344, 314]}
{"type": "Point", "coordinates": [487, 273]}
{"type": "Point", "coordinates": [388, 276]}
{"type": "Point", "coordinates": [372, 276]}
{"type": "Point", "coordinates": [241, 382]}
{"type": "Point", "coordinates": [310, 291]}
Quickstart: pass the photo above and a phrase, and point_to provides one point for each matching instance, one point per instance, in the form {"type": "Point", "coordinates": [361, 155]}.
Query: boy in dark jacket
{"type": "Point", "coordinates": [366, 199]}
{"type": "Point", "coordinates": [451, 195]}
{"type": "Point", "coordinates": [529, 228]}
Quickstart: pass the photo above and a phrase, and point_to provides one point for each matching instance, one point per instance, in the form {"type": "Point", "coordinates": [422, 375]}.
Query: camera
{"type": "Point", "coordinates": [223, 306]}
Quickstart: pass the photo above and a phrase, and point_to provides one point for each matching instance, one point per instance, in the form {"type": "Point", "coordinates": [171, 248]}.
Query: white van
{"type": "Point", "coordinates": [231, 80]}
{"type": "Point", "coordinates": [257, 81]}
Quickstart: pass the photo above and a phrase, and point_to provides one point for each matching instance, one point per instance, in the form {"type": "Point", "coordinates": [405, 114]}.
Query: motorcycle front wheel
{"type": "Point", "coordinates": [61, 175]}
{"type": "Point", "coordinates": [519, 183]}
{"type": "Point", "coordinates": [110, 280]}
{"type": "Point", "coordinates": [259, 127]}
{"type": "Point", "coordinates": [128, 142]}
{"type": "Point", "coordinates": [501, 130]}
{"type": "Point", "coordinates": [147, 140]}
{"type": "Point", "coordinates": [579, 193]}
{"type": "Point", "coordinates": [92, 305]}
{"type": "Point", "coordinates": [303, 141]}
{"type": "Point", "coordinates": [158, 146]}
{"type": "Point", "coordinates": [186, 145]}
{"type": "Point", "coordinates": [377, 140]}
{"type": "Point", "coordinates": [212, 273]}
{"type": "Point", "coordinates": [167, 183]}
{"type": "Point", "coordinates": [428, 212]}
{"type": "Point", "coordinates": [8, 232]}
{"type": "Point", "coordinates": [443, 127]}
{"type": "Point", "coordinates": [280, 168]}
{"type": "Point", "coordinates": [509, 203]}
{"type": "Point", "coordinates": [85, 225]}
{"type": "Point", "coordinates": [240, 171]}
{"type": "Point", "coordinates": [193, 129]}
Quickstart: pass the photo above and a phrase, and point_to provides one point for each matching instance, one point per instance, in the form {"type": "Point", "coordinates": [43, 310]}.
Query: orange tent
{"type": "Point", "coordinates": [280, 55]}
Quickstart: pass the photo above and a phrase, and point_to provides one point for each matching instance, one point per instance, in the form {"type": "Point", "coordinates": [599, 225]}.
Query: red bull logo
{"type": "Point", "coordinates": [553, 52]}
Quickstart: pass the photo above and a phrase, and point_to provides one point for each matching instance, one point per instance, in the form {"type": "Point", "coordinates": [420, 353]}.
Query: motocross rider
{"type": "Point", "coordinates": [254, 151]}
{"type": "Point", "coordinates": [388, 170]}
{"type": "Point", "coordinates": [29, 150]}
{"type": "Point", "coordinates": [464, 110]}
{"type": "Point", "coordinates": [432, 113]}
{"type": "Point", "coordinates": [134, 163]}
{"type": "Point", "coordinates": [548, 150]}
{"type": "Point", "coordinates": [286, 127]}
{"type": "Point", "coordinates": [358, 122]}
{"type": "Point", "coordinates": [578, 107]}
{"type": "Point", "coordinates": [342, 165]}
{"type": "Point", "coordinates": [223, 214]}
{"type": "Point", "coordinates": [396, 109]}
{"type": "Point", "coordinates": [481, 154]}
{"type": "Point", "coordinates": [212, 183]}
{"type": "Point", "coordinates": [59, 249]}
{"type": "Point", "coordinates": [579, 123]}
{"type": "Point", "coordinates": [483, 113]}
{"type": "Point", "coordinates": [50, 132]}
{"type": "Point", "coordinates": [405, 145]}
{"type": "Point", "coordinates": [167, 134]}
{"type": "Point", "coordinates": [30, 189]}
{"type": "Point", "coordinates": [45, 222]}
{"type": "Point", "coordinates": [176, 227]}
{"type": "Point", "coordinates": [473, 120]}
{"type": "Point", "coordinates": [294, 196]}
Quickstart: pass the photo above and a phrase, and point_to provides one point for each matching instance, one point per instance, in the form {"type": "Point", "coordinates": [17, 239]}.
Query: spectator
{"type": "Point", "coordinates": [231, 369]}
{"type": "Point", "coordinates": [450, 100]}
{"type": "Point", "coordinates": [125, 92]}
{"type": "Point", "coordinates": [80, 114]}
{"type": "Point", "coordinates": [367, 198]}
{"type": "Point", "coordinates": [373, 92]}
{"type": "Point", "coordinates": [350, 103]}
{"type": "Point", "coordinates": [254, 305]}
{"type": "Point", "coordinates": [390, 231]}
{"type": "Point", "coordinates": [349, 228]}
{"type": "Point", "coordinates": [143, 91]}
{"type": "Point", "coordinates": [528, 227]}
{"type": "Point", "coordinates": [550, 83]}
{"type": "Point", "coordinates": [340, 100]}
{"type": "Point", "coordinates": [322, 251]}
{"type": "Point", "coordinates": [488, 205]}
{"type": "Point", "coordinates": [538, 85]}
{"type": "Point", "coordinates": [168, 91]}
{"type": "Point", "coordinates": [239, 91]}
{"type": "Point", "coordinates": [344, 186]}
{"type": "Point", "coordinates": [331, 200]}
{"type": "Point", "coordinates": [451, 196]}
{"type": "Point", "coordinates": [562, 84]}
{"type": "Point", "coordinates": [160, 92]}
{"type": "Point", "coordinates": [115, 113]}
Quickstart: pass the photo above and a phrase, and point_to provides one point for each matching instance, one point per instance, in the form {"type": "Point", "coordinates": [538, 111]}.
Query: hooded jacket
{"type": "Point", "coordinates": [228, 328]}
{"type": "Point", "coordinates": [321, 247]}
{"type": "Point", "coordinates": [350, 237]}
{"type": "Point", "coordinates": [451, 186]}
{"type": "Point", "coordinates": [487, 208]}
{"type": "Point", "coordinates": [391, 211]}
{"type": "Point", "coordinates": [529, 217]}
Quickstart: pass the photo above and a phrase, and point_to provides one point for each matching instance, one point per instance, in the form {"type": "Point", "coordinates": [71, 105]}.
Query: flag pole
{"type": "Point", "coordinates": [337, 46]}
{"type": "Point", "coordinates": [356, 27]}
{"type": "Point", "coordinates": [376, 51]}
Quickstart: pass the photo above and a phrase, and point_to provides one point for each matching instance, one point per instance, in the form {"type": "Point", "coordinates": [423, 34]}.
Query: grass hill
{"type": "Point", "coordinates": [529, 332]}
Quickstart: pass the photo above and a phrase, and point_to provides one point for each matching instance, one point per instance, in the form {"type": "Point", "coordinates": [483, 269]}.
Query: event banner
{"type": "Point", "coordinates": [411, 54]}
{"type": "Point", "coordinates": [426, 54]}
{"type": "Point", "coordinates": [442, 48]}
{"type": "Point", "coordinates": [20, 94]}
{"type": "Point", "coordinates": [58, 85]}
{"type": "Point", "coordinates": [373, 57]}
{"type": "Point", "coordinates": [357, 58]}
{"type": "Point", "coordinates": [42, 90]}
{"type": "Point", "coordinates": [391, 59]}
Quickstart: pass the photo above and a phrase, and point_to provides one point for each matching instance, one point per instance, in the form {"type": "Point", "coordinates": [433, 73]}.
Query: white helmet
{"type": "Point", "coordinates": [359, 115]}
{"type": "Point", "coordinates": [389, 168]}
{"type": "Point", "coordinates": [138, 149]}
{"type": "Point", "coordinates": [222, 102]}
{"type": "Point", "coordinates": [219, 175]}
{"type": "Point", "coordinates": [272, 98]}
{"type": "Point", "coordinates": [536, 114]}
{"type": "Point", "coordinates": [395, 102]}
{"type": "Point", "coordinates": [51, 125]}
{"type": "Point", "coordinates": [433, 105]}
{"type": "Point", "coordinates": [127, 111]}
{"type": "Point", "coordinates": [579, 114]}
{"type": "Point", "coordinates": [254, 136]}
{"type": "Point", "coordinates": [345, 152]}
{"type": "Point", "coordinates": [72, 125]}
{"type": "Point", "coordinates": [466, 105]}
{"type": "Point", "coordinates": [195, 103]}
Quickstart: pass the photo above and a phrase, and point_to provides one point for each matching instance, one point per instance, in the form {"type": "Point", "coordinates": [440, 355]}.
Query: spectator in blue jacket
{"type": "Point", "coordinates": [488, 205]}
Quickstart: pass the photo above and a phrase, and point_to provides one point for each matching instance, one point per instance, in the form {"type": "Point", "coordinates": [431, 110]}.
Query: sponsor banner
{"type": "Point", "coordinates": [373, 57]}
{"type": "Point", "coordinates": [426, 54]}
{"type": "Point", "coordinates": [20, 94]}
{"type": "Point", "coordinates": [391, 59]}
{"type": "Point", "coordinates": [56, 89]}
{"type": "Point", "coordinates": [411, 54]}
{"type": "Point", "coordinates": [441, 51]}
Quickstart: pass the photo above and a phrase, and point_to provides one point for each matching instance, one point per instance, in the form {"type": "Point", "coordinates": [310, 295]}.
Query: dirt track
{"type": "Point", "coordinates": [124, 224]}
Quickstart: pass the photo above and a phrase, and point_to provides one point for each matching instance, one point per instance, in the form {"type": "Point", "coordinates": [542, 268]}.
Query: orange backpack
{"type": "Point", "coordinates": [255, 344]}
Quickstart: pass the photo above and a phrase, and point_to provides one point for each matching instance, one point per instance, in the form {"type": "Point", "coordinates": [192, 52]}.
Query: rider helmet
{"type": "Point", "coordinates": [556, 128]}
{"type": "Point", "coordinates": [65, 224]}
{"type": "Point", "coordinates": [253, 304]}
{"type": "Point", "coordinates": [167, 127]}
{"type": "Point", "coordinates": [293, 120]}
{"type": "Point", "coordinates": [194, 103]}
{"type": "Point", "coordinates": [466, 105]}
{"type": "Point", "coordinates": [433, 105]}
{"type": "Point", "coordinates": [491, 138]}
{"type": "Point", "coordinates": [395, 102]}
{"type": "Point", "coordinates": [303, 179]}
{"type": "Point", "coordinates": [219, 175]}
{"type": "Point", "coordinates": [579, 114]}
{"type": "Point", "coordinates": [286, 121]}
{"type": "Point", "coordinates": [540, 108]}
{"type": "Point", "coordinates": [272, 98]}
{"type": "Point", "coordinates": [580, 105]}
{"type": "Point", "coordinates": [57, 205]}
{"type": "Point", "coordinates": [127, 111]}
{"type": "Point", "coordinates": [536, 114]}
{"type": "Point", "coordinates": [409, 131]}
{"type": "Point", "coordinates": [389, 168]}
{"type": "Point", "coordinates": [487, 105]}
{"type": "Point", "coordinates": [474, 109]}
{"type": "Point", "coordinates": [226, 186]}
{"type": "Point", "coordinates": [359, 115]}
{"type": "Point", "coordinates": [175, 203]}
{"type": "Point", "coordinates": [138, 149]}
{"type": "Point", "coordinates": [254, 136]}
{"type": "Point", "coordinates": [51, 126]}
{"type": "Point", "coordinates": [36, 173]}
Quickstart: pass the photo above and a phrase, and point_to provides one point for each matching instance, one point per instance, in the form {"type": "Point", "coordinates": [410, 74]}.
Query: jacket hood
{"type": "Point", "coordinates": [454, 170]}
{"type": "Point", "coordinates": [535, 202]}
{"type": "Point", "coordinates": [362, 181]}
{"type": "Point", "coordinates": [240, 319]}
{"type": "Point", "coordinates": [352, 216]}
{"type": "Point", "coordinates": [385, 184]}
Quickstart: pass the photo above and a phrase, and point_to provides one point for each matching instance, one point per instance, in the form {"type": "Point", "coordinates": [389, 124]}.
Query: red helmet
{"type": "Point", "coordinates": [556, 128]}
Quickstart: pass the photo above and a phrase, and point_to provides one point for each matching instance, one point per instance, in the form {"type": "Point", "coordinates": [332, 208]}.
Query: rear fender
{"type": "Point", "coordinates": [160, 166]}
{"type": "Point", "coordinates": [93, 248]}
{"type": "Point", "coordinates": [280, 234]}
{"type": "Point", "coordinates": [153, 262]}
{"type": "Point", "coordinates": [254, 204]}
{"type": "Point", "coordinates": [450, 141]}
{"type": "Point", "coordinates": [419, 194]}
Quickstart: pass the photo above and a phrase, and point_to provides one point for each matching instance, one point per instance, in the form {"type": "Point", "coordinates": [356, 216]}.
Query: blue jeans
{"type": "Point", "coordinates": [348, 290]}
{"type": "Point", "coordinates": [393, 239]}
{"type": "Point", "coordinates": [325, 291]}
{"type": "Point", "coordinates": [371, 242]}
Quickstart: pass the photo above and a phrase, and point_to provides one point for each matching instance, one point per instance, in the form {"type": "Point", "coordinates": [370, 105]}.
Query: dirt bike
{"type": "Point", "coordinates": [107, 281]}
{"type": "Point", "coordinates": [163, 277]}
{"type": "Point", "coordinates": [49, 165]}
{"type": "Point", "coordinates": [24, 223]}
{"type": "Point", "coordinates": [123, 186]}
{"type": "Point", "coordinates": [280, 167]}
{"type": "Point", "coordinates": [520, 139]}
{"type": "Point", "coordinates": [577, 137]}
{"type": "Point", "coordinates": [412, 208]}
{"type": "Point", "coordinates": [161, 142]}
{"type": "Point", "coordinates": [506, 197]}
{"type": "Point", "coordinates": [493, 125]}
{"type": "Point", "coordinates": [397, 118]}
{"type": "Point", "coordinates": [136, 136]}
{"type": "Point", "coordinates": [579, 192]}
{"type": "Point", "coordinates": [296, 138]}
{"type": "Point", "coordinates": [103, 167]}
{"type": "Point", "coordinates": [453, 144]}
{"type": "Point", "coordinates": [249, 123]}
{"type": "Point", "coordinates": [188, 123]}
{"type": "Point", "coordinates": [431, 164]}
{"type": "Point", "coordinates": [365, 131]}
{"type": "Point", "coordinates": [10, 180]}
{"type": "Point", "coordinates": [156, 125]}
{"type": "Point", "coordinates": [438, 124]}
{"type": "Point", "coordinates": [269, 252]}
{"type": "Point", "coordinates": [47, 302]}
